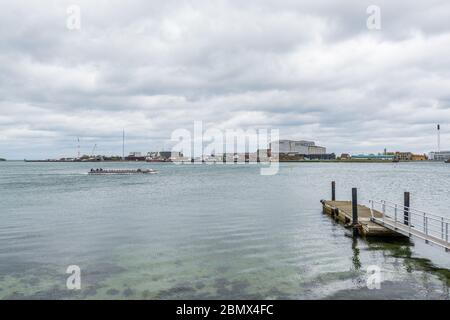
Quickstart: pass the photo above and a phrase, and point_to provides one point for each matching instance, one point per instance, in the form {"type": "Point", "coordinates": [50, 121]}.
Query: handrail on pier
{"type": "Point", "coordinates": [412, 222]}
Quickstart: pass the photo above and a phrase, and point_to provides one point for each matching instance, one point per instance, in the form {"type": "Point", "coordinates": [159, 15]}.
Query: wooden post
{"type": "Point", "coordinates": [406, 208]}
{"type": "Point", "coordinates": [333, 191]}
{"type": "Point", "coordinates": [354, 211]}
{"type": "Point", "coordinates": [446, 236]}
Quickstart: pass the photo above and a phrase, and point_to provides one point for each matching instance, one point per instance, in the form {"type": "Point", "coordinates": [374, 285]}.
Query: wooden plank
{"type": "Point", "coordinates": [342, 211]}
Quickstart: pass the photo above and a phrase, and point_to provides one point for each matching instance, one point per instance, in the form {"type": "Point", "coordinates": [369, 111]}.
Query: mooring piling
{"type": "Point", "coordinates": [355, 211]}
{"type": "Point", "coordinates": [333, 191]}
{"type": "Point", "coordinates": [406, 208]}
{"type": "Point", "coordinates": [368, 221]}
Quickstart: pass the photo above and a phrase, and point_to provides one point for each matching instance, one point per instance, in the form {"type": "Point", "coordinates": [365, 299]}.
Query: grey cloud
{"type": "Point", "coordinates": [311, 69]}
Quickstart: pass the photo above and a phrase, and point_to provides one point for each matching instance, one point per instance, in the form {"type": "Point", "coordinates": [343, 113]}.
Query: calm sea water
{"type": "Point", "coordinates": [211, 232]}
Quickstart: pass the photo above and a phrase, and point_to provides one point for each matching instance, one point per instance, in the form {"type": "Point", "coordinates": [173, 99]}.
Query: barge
{"type": "Point", "coordinates": [120, 171]}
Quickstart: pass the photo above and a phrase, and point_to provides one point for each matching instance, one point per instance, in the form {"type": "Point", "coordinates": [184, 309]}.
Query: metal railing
{"type": "Point", "coordinates": [427, 226]}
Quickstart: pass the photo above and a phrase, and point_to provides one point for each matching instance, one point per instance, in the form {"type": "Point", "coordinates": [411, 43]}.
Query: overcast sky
{"type": "Point", "coordinates": [311, 69]}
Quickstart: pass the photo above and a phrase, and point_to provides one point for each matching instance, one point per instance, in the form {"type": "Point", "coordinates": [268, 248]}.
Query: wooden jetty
{"type": "Point", "coordinates": [392, 220]}
{"type": "Point", "coordinates": [342, 211]}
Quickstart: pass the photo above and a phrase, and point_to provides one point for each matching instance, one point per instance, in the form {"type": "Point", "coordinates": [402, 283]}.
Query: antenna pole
{"type": "Point", "coordinates": [439, 138]}
{"type": "Point", "coordinates": [78, 147]}
{"type": "Point", "coordinates": [123, 144]}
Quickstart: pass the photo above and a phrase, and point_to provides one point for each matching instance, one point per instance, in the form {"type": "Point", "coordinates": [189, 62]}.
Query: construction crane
{"type": "Point", "coordinates": [93, 150]}
{"type": "Point", "coordinates": [78, 147]}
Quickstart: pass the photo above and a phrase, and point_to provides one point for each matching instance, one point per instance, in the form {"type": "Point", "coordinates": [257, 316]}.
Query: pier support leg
{"type": "Point", "coordinates": [355, 211]}
{"type": "Point", "coordinates": [333, 191]}
{"type": "Point", "coordinates": [406, 208]}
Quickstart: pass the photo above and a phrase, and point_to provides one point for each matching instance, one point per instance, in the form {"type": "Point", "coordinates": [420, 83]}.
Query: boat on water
{"type": "Point", "coordinates": [447, 161]}
{"type": "Point", "coordinates": [102, 171]}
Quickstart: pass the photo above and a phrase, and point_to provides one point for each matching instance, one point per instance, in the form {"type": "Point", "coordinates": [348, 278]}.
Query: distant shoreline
{"type": "Point", "coordinates": [355, 161]}
{"type": "Point", "coordinates": [211, 162]}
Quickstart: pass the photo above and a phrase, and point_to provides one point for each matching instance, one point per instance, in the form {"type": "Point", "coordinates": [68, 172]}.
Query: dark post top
{"type": "Point", "coordinates": [333, 191]}
{"type": "Point", "coordinates": [354, 206]}
{"type": "Point", "coordinates": [355, 211]}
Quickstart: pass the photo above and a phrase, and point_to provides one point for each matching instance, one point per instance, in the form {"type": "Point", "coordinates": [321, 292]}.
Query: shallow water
{"type": "Point", "coordinates": [211, 232]}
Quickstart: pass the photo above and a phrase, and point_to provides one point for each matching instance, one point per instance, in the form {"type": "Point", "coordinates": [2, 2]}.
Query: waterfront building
{"type": "Point", "coordinates": [291, 150]}
{"type": "Point", "coordinates": [419, 157]}
{"type": "Point", "coordinates": [409, 156]}
{"type": "Point", "coordinates": [230, 157]}
{"type": "Point", "coordinates": [439, 155]}
{"type": "Point", "coordinates": [135, 154]}
{"type": "Point", "coordinates": [406, 156]}
{"type": "Point", "coordinates": [316, 150]}
{"type": "Point", "coordinates": [165, 156]}
{"type": "Point", "coordinates": [293, 147]}
{"type": "Point", "coordinates": [320, 156]}
{"type": "Point", "coordinates": [403, 156]}
{"type": "Point", "coordinates": [372, 156]}
{"type": "Point", "coordinates": [152, 155]}
{"type": "Point", "coordinates": [300, 147]}
{"type": "Point", "coordinates": [252, 157]}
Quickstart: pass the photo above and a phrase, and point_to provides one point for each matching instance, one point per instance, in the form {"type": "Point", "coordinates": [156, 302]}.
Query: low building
{"type": "Point", "coordinates": [165, 156]}
{"type": "Point", "coordinates": [135, 156]}
{"type": "Point", "coordinates": [419, 157]}
{"type": "Point", "coordinates": [320, 156]}
{"type": "Point", "coordinates": [407, 156]}
{"type": "Point", "coordinates": [230, 157]}
{"type": "Point", "coordinates": [315, 150]}
{"type": "Point", "coordinates": [345, 156]}
{"type": "Point", "coordinates": [403, 156]}
{"type": "Point", "coordinates": [439, 156]}
{"type": "Point", "coordinates": [300, 147]}
{"type": "Point", "coordinates": [372, 156]}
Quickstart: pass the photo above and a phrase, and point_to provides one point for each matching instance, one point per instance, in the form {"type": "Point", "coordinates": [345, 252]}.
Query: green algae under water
{"type": "Point", "coordinates": [210, 232]}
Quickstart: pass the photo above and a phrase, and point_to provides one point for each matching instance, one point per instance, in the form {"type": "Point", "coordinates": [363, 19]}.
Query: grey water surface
{"type": "Point", "coordinates": [211, 232]}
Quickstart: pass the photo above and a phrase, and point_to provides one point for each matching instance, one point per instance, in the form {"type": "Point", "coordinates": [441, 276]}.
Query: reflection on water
{"type": "Point", "coordinates": [355, 258]}
{"type": "Point", "coordinates": [209, 232]}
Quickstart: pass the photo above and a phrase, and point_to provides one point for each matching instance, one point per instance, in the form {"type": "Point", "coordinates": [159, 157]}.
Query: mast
{"type": "Point", "coordinates": [123, 144]}
{"type": "Point", "coordinates": [78, 147]}
{"type": "Point", "coordinates": [439, 138]}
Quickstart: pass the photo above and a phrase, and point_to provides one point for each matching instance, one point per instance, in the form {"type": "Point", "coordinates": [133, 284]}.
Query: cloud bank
{"type": "Point", "coordinates": [313, 70]}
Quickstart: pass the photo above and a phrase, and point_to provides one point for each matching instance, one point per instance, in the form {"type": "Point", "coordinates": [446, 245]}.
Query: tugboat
{"type": "Point", "coordinates": [121, 171]}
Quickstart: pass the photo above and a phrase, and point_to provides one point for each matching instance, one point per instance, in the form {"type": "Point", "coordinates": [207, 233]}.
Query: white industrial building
{"type": "Point", "coordinates": [439, 155]}
{"type": "Point", "coordinates": [300, 147]}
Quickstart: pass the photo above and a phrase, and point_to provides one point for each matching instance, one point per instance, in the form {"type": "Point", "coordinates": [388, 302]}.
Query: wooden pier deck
{"type": "Point", "coordinates": [342, 211]}
{"type": "Point", "coordinates": [394, 220]}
